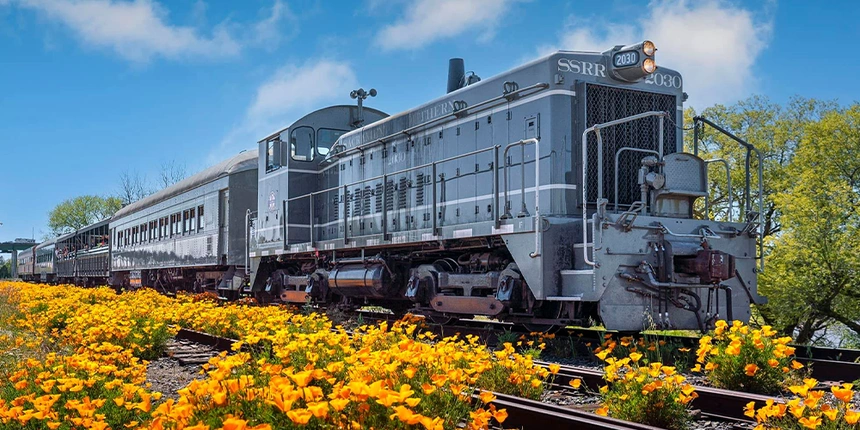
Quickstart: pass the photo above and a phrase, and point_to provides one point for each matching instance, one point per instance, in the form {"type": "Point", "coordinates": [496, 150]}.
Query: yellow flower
{"type": "Point", "coordinates": [851, 416]}
{"type": "Point", "coordinates": [319, 409]}
{"type": "Point", "coordinates": [845, 394]}
{"type": "Point", "coordinates": [487, 396]}
{"type": "Point", "coordinates": [575, 383]}
{"type": "Point", "coordinates": [234, 424]}
{"type": "Point", "coordinates": [603, 411]}
{"type": "Point", "coordinates": [300, 416]}
{"type": "Point", "coordinates": [750, 369]}
{"type": "Point", "coordinates": [500, 415]}
{"type": "Point", "coordinates": [339, 404]}
{"type": "Point", "coordinates": [554, 368]}
{"type": "Point", "coordinates": [635, 356]}
{"type": "Point", "coordinates": [796, 365]}
{"type": "Point", "coordinates": [749, 410]}
{"type": "Point", "coordinates": [810, 422]}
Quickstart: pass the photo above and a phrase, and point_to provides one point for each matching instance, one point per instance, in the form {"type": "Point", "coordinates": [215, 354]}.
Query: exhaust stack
{"type": "Point", "coordinates": [456, 73]}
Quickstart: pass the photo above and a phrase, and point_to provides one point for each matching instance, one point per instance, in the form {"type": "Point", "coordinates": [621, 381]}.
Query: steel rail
{"type": "Point", "coordinates": [532, 414]}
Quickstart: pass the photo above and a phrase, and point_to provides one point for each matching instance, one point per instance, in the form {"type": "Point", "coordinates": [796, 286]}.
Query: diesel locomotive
{"type": "Point", "coordinates": [554, 193]}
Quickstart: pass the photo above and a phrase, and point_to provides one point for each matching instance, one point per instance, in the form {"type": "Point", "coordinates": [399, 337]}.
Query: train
{"type": "Point", "coordinates": [556, 193]}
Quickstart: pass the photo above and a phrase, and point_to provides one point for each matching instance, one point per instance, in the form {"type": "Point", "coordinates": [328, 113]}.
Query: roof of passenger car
{"type": "Point", "coordinates": [245, 160]}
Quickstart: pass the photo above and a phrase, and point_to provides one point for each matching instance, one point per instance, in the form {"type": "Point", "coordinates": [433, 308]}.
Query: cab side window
{"type": "Point", "coordinates": [302, 144]}
{"type": "Point", "coordinates": [273, 155]}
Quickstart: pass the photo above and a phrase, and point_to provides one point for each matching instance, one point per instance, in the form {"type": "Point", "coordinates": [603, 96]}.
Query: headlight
{"type": "Point", "coordinates": [648, 48]}
{"type": "Point", "coordinates": [649, 66]}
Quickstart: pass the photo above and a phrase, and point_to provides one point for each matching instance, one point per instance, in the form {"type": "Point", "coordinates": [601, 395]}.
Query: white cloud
{"type": "Point", "coordinates": [139, 30]}
{"type": "Point", "coordinates": [270, 31]}
{"type": "Point", "coordinates": [713, 44]}
{"type": "Point", "coordinates": [288, 94]}
{"type": "Point", "coordinates": [301, 88]}
{"type": "Point", "coordinates": [426, 21]}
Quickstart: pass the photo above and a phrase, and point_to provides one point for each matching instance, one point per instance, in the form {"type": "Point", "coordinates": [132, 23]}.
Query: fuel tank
{"type": "Point", "coordinates": [360, 280]}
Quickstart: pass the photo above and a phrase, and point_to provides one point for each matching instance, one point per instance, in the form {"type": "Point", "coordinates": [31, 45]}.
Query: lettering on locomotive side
{"type": "Point", "coordinates": [431, 112]}
{"type": "Point", "coordinates": [664, 80]}
{"type": "Point", "coordinates": [581, 67]}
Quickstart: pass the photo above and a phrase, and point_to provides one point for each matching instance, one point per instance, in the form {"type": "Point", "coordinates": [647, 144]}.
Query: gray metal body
{"type": "Point", "coordinates": [43, 268]}
{"type": "Point", "coordinates": [25, 262]}
{"type": "Point", "coordinates": [461, 172]}
{"type": "Point", "coordinates": [83, 256]}
{"type": "Point", "coordinates": [214, 240]}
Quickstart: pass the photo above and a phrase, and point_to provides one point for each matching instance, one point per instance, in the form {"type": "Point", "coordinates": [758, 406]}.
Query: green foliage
{"type": "Point", "coordinates": [814, 265]}
{"type": "Point", "coordinates": [810, 216]}
{"type": "Point", "coordinates": [645, 392]}
{"type": "Point", "coordinates": [81, 211]}
{"type": "Point", "coordinates": [741, 358]}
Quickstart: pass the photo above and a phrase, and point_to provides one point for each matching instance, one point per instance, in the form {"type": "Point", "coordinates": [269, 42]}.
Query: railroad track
{"type": "Point", "coordinates": [523, 413]}
{"type": "Point", "coordinates": [713, 402]}
{"type": "Point", "coordinates": [195, 347]}
{"type": "Point", "coordinates": [827, 364]}
{"type": "Point", "coordinates": [530, 414]}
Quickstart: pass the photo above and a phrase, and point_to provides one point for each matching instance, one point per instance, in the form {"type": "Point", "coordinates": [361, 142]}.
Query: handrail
{"type": "Point", "coordinates": [455, 114]}
{"type": "Point", "coordinates": [596, 128]}
{"type": "Point", "coordinates": [247, 240]}
{"type": "Point", "coordinates": [538, 222]}
{"type": "Point", "coordinates": [747, 197]}
{"type": "Point", "coordinates": [729, 185]}
{"type": "Point", "coordinates": [384, 177]}
{"type": "Point", "coordinates": [615, 169]}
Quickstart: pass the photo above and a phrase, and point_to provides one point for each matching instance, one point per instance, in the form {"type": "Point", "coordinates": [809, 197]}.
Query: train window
{"type": "Point", "coordinates": [200, 217]}
{"type": "Point", "coordinates": [273, 155]}
{"type": "Point", "coordinates": [326, 137]}
{"type": "Point", "coordinates": [192, 221]}
{"type": "Point", "coordinates": [302, 144]}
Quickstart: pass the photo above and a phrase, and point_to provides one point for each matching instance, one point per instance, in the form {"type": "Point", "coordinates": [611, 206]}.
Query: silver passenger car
{"type": "Point", "coordinates": [189, 236]}
{"type": "Point", "coordinates": [83, 256]}
{"type": "Point", "coordinates": [43, 266]}
{"type": "Point", "coordinates": [25, 264]}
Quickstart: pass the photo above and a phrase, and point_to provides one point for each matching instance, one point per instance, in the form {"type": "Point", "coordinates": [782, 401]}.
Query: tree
{"type": "Point", "coordinates": [5, 268]}
{"type": "Point", "coordinates": [132, 187]}
{"type": "Point", "coordinates": [82, 211]}
{"type": "Point", "coordinates": [813, 279]}
{"type": "Point", "coordinates": [774, 130]}
{"type": "Point", "coordinates": [171, 173]}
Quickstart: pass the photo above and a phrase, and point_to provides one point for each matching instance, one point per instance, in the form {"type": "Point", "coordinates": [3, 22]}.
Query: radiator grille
{"type": "Point", "coordinates": [608, 103]}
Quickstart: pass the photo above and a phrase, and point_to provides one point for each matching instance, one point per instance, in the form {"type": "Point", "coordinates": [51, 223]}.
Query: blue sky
{"type": "Point", "coordinates": [92, 88]}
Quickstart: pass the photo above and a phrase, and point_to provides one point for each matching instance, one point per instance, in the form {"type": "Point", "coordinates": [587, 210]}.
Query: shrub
{"type": "Point", "coordinates": [809, 409]}
{"type": "Point", "coordinates": [647, 393]}
{"type": "Point", "coordinates": [738, 357]}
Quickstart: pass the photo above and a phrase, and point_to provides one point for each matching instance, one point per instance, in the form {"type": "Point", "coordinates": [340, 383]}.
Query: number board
{"type": "Point", "coordinates": [625, 59]}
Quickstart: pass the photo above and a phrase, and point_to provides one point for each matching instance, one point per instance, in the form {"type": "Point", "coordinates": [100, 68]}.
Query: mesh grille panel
{"type": "Point", "coordinates": [608, 103]}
